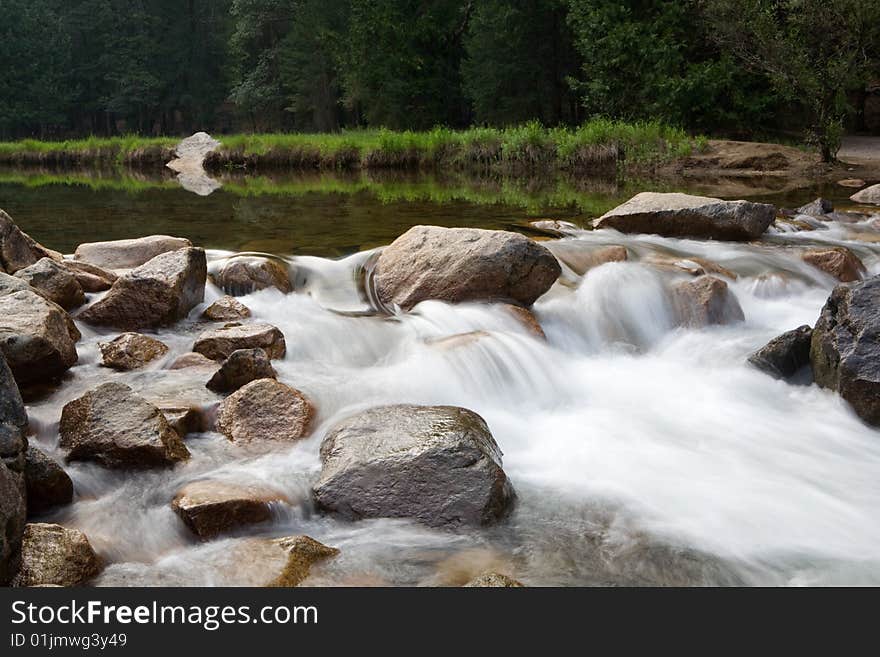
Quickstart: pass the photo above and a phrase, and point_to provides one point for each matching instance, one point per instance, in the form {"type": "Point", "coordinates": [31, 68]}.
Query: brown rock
{"type": "Point", "coordinates": [210, 508]}
{"type": "Point", "coordinates": [265, 410]}
{"type": "Point", "coordinates": [226, 309]}
{"type": "Point", "coordinates": [245, 274]}
{"type": "Point", "coordinates": [463, 264]}
{"type": "Point", "coordinates": [53, 282]}
{"type": "Point", "coordinates": [130, 351]}
{"type": "Point", "coordinates": [17, 249]}
{"type": "Point", "coordinates": [192, 360]}
{"type": "Point", "coordinates": [185, 419]}
{"type": "Point", "coordinates": [118, 429]}
{"type": "Point", "coordinates": [837, 261]}
{"type": "Point", "coordinates": [242, 367]}
{"type": "Point", "coordinates": [705, 301]}
{"type": "Point", "coordinates": [581, 256]}
{"type": "Point", "coordinates": [219, 343]}
{"type": "Point", "coordinates": [127, 254]}
{"type": "Point", "coordinates": [280, 562]}
{"type": "Point", "coordinates": [302, 553]}
{"type": "Point", "coordinates": [48, 485]}
{"type": "Point", "coordinates": [156, 294]}
{"type": "Point", "coordinates": [693, 265]}
{"type": "Point", "coordinates": [52, 554]}
{"type": "Point", "coordinates": [852, 182]}
{"type": "Point", "coordinates": [90, 277]}
{"type": "Point", "coordinates": [527, 318]}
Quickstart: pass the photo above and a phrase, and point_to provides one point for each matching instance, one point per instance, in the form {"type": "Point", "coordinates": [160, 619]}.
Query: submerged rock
{"type": "Point", "coordinates": [838, 261]}
{"type": "Point", "coordinates": [219, 343]}
{"type": "Point", "coordinates": [55, 555]}
{"type": "Point", "coordinates": [226, 309]}
{"type": "Point", "coordinates": [242, 367]}
{"type": "Point", "coordinates": [845, 349]}
{"type": "Point", "coordinates": [527, 318]}
{"type": "Point", "coordinates": [785, 354]}
{"type": "Point", "coordinates": [130, 351]}
{"type": "Point", "coordinates": [463, 264]}
{"type": "Point", "coordinates": [245, 274]}
{"type": "Point", "coordinates": [581, 256]}
{"type": "Point", "coordinates": [210, 508]}
{"type": "Point", "coordinates": [158, 293]}
{"type": "Point", "coordinates": [118, 429]}
{"type": "Point", "coordinates": [280, 562]}
{"type": "Point", "coordinates": [494, 580]}
{"type": "Point", "coordinates": [869, 195]}
{"type": "Point", "coordinates": [265, 410]}
{"type": "Point", "coordinates": [439, 465]}
{"type": "Point", "coordinates": [17, 249]}
{"type": "Point", "coordinates": [705, 301]}
{"type": "Point", "coordinates": [12, 521]}
{"type": "Point", "coordinates": [128, 254]}
{"type": "Point", "coordinates": [48, 485]}
{"type": "Point", "coordinates": [54, 282]}
{"type": "Point", "coordinates": [683, 215]}
{"type": "Point", "coordinates": [36, 337]}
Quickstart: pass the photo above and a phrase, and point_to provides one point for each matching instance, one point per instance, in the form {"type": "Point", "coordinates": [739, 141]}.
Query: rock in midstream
{"type": "Point", "coordinates": [210, 508]}
{"type": "Point", "coordinates": [219, 343]}
{"type": "Point", "coordinates": [56, 555]}
{"type": "Point", "coordinates": [439, 465]}
{"type": "Point", "coordinates": [242, 275]}
{"type": "Point", "coordinates": [265, 410]}
{"type": "Point", "coordinates": [130, 351]}
{"type": "Point", "coordinates": [226, 309]}
{"type": "Point", "coordinates": [705, 301]}
{"type": "Point", "coordinates": [785, 355]}
{"type": "Point", "coordinates": [242, 367]}
{"type": "Point", "coordinates": [128, 254]}
{"type": "Point", "coordinates": [837, 261]}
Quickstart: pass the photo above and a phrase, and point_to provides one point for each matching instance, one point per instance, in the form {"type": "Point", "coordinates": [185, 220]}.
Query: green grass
{"type": "Point", "coordinates": [598, 145]}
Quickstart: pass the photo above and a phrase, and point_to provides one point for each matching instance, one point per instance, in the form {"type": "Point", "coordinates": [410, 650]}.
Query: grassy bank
{"type": "Point", "coordinates": [599, 146]}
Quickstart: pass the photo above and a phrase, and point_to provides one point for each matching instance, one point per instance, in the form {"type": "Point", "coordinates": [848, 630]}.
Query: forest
{"type": "Point", "coordinates": [743, 69]}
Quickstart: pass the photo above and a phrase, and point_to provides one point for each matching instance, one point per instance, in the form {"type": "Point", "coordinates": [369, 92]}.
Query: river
{"type": "Point", "coordinates": [642, 453]}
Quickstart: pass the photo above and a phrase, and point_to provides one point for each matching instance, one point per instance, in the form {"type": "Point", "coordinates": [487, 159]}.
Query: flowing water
{"type": "Point", "coordinates": [641, 452]}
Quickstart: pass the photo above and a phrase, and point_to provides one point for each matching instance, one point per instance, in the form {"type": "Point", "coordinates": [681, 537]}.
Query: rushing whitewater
{"type": "Point", "coordinates": [641, 452]}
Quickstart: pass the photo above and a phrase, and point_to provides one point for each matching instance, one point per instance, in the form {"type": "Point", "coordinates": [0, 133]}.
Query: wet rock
{"type": "Point", "coordinates": [837, 261]}
{"type": "Point", "coordinates": [817, 208]}
{"type": "Point", "coordinates": [13, 421]}
{"type": "Point", "coordinates": [130, 351]}
{"type": "Point", "coordinates": [705, 301]}
{"type": "Point", "coordinates": [36, 336]}
{"type": "Point", "coordinates": [118, 429]}
{"type": "Point", "coordinates": [52, 554]}
{"type": "Point", "coordinates": [463, 264]}
{"type": "Point", "coordinates": [12, 521]}
{"type": "Point", "coordinates": [845, 350]}
{"type": "Point", "coordinates": [439, 465]}
{"type": "Point", "coordinates": [494, 580]}
{"type": "Point", "coordinates": [581, 257]}
{"type": "Point", "coordinates": [128, 254]}
{"type": "Point", "coordinates": [265, 410]}
{"type": "Point", "coordinates": [554, 227]}
{"type": "Point", "coordinates": [158, 293]}
{"type": "Point", "coordinates": [869, 195]}
{"type": "Point", "coordinates": [226, 309]}
{"type": "Point", "coordinates": [185, 419]}
{"type": "Point", "coordinates": [245, 274]}
{"type": "Point", "coordinates": [192, 360]}
{"type": "Point", "coordinates": [219, 343]}
{"type": "Point", "coordinates": [693, 265]}
{"type": "Point", "coordinates": [17, 249]}
{"type": "Point", "coordinates": [90, 277]}
{"type": "Point", "coordinates": [786, 354]}
{"type": "Point", "coordinates": [280, 562]}
{"type": "Point", "coordinates": [48, 485]}
{"type": "Point", "coordinates": [683, 215]}
{"type": "Point", "coordinates": [527, 318]}
{"type": "Point", "coordinates": [210, 508]}
{"type": "Point", "coordinates": [54, 282]}
{"type": "Point", "coordinates": [242, 367]}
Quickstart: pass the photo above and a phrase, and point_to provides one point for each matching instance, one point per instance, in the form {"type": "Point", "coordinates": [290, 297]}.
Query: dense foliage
{"type": "Point", "coordinates": [163, 67]}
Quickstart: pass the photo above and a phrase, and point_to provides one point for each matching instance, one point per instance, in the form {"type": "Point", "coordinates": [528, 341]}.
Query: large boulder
{"type": "Point", "coordinates": [12, 521]}
{"type": "Point", "coordinates": [13, 421]}
{"type": "Point", "coordinates": [463, 264]}
{"type": "Point", "coordinates": [118, 429]}
{"type": "Point", "coordinates": [245, 274]}
{"type": "Point", "coordinates": [705, 301]}
{"type": "Point", "coordinates": [242, 367]}
{"type": "Point", "coordinates": [683, 215]}
{"type": "Point", "coordinates": [265, 410]}
{"type": "Point", "coordinates": [226, 309]}
{"type": "Point", "coordinates": [48, 485]}
{"type": "Point", "coordinates": [837, 261]}
{"type": "Point", "coordinates": [439, 465]}
{"type": "Point", "coordinates": [219, 343]}
{"type": "Point", "coordinates": [869, 195]}
{"type": "Point", "coordinates": [158, 293]}
{"type": "Point", "coordinates": [786, 354]}
{"type": "Point", "coordinates": [210, 508]}
{"type": "Point", "coordinates": [56, 555]}
{"type": "Point", "coordinates": [845, 347]}
{"type": "Point", "coordinates": [128, 254]}
{"type": "Point", "coordinates": [54, 282]}
{"type": "Point", "coordinates": [130, 351]}
{"type": "Point", "coordinates": [17, 249]}
{"type": "Point", "coordinates": [36, 336]}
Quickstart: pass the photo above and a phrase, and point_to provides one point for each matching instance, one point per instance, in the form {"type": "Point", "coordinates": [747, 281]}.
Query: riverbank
{"type": "Point", "coordinates": [599, 147]}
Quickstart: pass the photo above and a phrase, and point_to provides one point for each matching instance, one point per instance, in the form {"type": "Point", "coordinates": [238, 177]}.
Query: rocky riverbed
{"type": "Point", "coordinates": [683, 390]}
